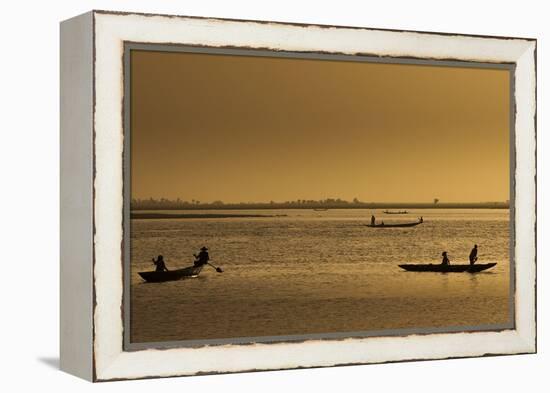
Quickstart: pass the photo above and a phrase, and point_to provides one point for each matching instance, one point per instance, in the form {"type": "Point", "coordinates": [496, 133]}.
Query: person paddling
{"type": "Point", "coordinates": [159, 263]}
{"type": "Point", "coordinates": [203, 257]}
{"type": "Point", "coordinates": [473, 255]}
{"type": "Point", "coordinates": [445, 261]}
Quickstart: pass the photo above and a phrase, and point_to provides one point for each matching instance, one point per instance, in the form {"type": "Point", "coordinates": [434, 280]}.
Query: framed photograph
{"type": "Point", "coordinates": [245, 195]}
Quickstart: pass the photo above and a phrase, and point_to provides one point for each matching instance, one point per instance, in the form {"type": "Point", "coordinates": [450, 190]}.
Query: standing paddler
{"type": "Point", "coordinates": [473, 255]}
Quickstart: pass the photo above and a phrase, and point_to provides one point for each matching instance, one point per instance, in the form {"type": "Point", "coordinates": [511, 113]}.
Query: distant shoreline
{"type": "Point", "coordinates": [145, 216]}
{"type": "Point", "coordinates": [365, 206]}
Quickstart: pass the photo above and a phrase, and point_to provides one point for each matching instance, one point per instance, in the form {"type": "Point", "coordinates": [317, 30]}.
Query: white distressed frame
{"type": "Point", "coordinates": [111, 30]}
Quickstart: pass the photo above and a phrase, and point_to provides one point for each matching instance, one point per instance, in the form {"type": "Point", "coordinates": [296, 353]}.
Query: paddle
{"type": "Point", "coordinates": [218, 269]}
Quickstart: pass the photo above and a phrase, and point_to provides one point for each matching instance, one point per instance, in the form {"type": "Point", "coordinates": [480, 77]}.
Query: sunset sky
{"type": "Point", "coordinates": [255, 129]}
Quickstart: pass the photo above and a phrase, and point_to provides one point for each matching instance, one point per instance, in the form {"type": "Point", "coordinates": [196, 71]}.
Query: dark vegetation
{"type": "Point", "coordinates": [329, 203]}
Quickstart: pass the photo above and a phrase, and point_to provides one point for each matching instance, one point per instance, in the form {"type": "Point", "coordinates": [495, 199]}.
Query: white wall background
{"type": "Point", "coordinates": [29, 184]}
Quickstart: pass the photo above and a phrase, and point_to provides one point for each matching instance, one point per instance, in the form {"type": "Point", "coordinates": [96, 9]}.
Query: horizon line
{"type": "Point", "coordinates": [309, 201]}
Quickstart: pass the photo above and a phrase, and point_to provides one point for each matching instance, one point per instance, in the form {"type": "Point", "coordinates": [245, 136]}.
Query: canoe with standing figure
{"type": "Point", "coordinates": [396, 225]}
{"type": "Point", "coordinates": [447, 268]}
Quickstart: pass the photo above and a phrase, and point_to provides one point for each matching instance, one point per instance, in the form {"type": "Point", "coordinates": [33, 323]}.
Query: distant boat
{"type": "Point", "coordinates": [396, 212]}
{"type": "Point", "coordinates": [447, 268]}
{"type": "Point", "coordinates": [320, 209]}
{"type": "Point", "coordinates": [402, 225]}
{"type": "Point", "coordinates": [171, 275]}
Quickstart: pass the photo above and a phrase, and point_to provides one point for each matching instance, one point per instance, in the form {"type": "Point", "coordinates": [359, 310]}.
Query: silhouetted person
{"type": "Point", "coordinates": [421, 219]}
{"type": "Point", "coordinates": [473, 255]}
{"type": "Point", "coordinates": [203, 257]}
{"type": "Point", "coordinates": [373, 220]}
{"type": "Point", "coordinates": [159, 263]}
{"type": "Point", "coordinates": [445, 261]}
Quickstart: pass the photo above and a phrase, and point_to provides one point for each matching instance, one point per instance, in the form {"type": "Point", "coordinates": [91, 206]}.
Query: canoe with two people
{"type": "Point", "coordinates": [446, 267]}
{"type": "Point", "coordinates": [393, 225]}
{"type": "Point", "coordinates": [373, 223]}
{"type": "Point", "coordinates": [161, 272]}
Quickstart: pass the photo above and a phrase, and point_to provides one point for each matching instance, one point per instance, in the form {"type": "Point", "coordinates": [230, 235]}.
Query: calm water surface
{"type": "Point", "coordinates": [317, 272]}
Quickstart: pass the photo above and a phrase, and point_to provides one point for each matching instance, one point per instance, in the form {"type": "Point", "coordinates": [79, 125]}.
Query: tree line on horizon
{"type": "Point", "coordinates": [179, 204]}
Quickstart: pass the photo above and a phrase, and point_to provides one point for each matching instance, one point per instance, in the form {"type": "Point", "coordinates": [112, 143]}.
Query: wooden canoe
{"type": "Point", "coordinates": [171, 275]}
{"type": "Point", "coordinates": [447, 268]}
{"type": "Point", "coordinates": [402, 225]}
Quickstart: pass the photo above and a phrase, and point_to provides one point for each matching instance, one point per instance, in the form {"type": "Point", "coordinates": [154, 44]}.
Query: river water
{"type": "Point", "coordinates": [311, 272]}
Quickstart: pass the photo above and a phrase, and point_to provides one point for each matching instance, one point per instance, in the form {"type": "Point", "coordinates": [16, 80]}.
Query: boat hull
{"type": "Point", "coordinates": [171, 275]}
{"type": "Point", "coordinates": [447, 268]}
{"type": "Point", "coordinates": [404, 225]}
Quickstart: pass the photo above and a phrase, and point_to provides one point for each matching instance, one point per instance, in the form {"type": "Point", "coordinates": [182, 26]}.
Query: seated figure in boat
{"type": "Point", "coordinates": [159, 263]}
{"type": "Point", "coordinates": [202, 258]}
{"type": "Point", "coordinates": [445, 261]}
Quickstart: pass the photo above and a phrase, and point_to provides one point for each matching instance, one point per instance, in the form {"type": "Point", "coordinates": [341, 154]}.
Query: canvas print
{"type": "Point", "coordinates": [286, 197]}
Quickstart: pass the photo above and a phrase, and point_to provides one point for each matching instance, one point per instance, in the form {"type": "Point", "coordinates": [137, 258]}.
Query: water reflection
{"type": "Point", "coordinates": [317, 273]}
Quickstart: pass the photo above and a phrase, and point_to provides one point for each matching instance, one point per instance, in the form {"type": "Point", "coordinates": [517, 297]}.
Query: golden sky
{"type": "Point", "coordinates": [255, 129]}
